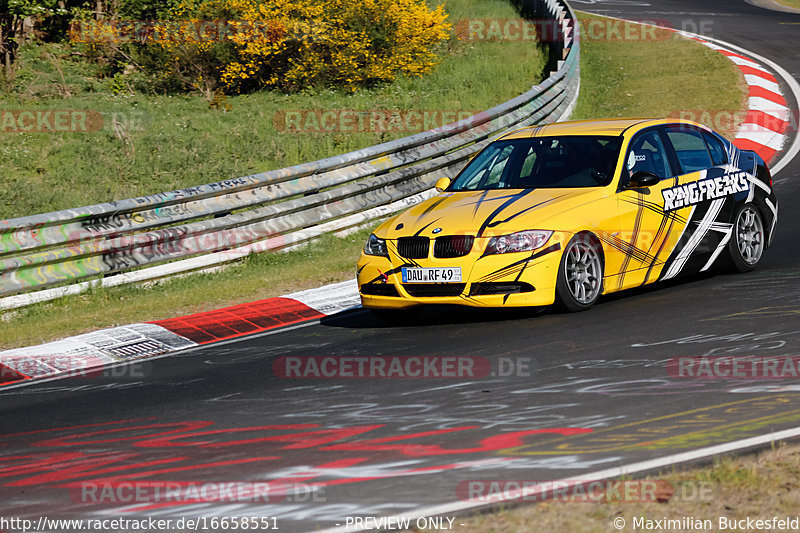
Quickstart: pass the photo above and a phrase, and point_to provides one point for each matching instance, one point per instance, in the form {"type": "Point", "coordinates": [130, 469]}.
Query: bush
{"type": "Point", "coordinates": [245, 45]}
{"type": "Point", "coordinates": [310, 43]}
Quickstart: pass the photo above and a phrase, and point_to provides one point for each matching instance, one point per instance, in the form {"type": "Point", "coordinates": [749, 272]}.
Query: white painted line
{"type": "Point", "coordinates": [764, 83]}
{"type": "Point", "coordinates": [448, 509]}
{"type": "Point", "coordinates": [742, 62]}
{"type": "Point", "coordinates": [330, 299]}
{"type": "Point", "coordinates": [769, 107]}
{"type": "Point", "coordinates": [761, 135]}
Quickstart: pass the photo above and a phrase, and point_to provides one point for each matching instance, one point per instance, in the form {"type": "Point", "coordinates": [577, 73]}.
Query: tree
{"type": "Point", "coordinates": [12, 16]}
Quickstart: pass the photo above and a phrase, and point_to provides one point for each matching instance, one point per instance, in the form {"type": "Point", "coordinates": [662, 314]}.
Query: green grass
{"type": "Point", "coordinates": [655, 78]}
{"type": "Point", "coordinates": [331, 259]}
{"type": "Point", "coordinates": [790, 3]}
{"type": "Point", "coordinates": [167, 142]}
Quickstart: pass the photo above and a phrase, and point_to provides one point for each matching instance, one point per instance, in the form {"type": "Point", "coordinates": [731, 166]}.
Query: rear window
{"type": "Point", "coordinates": [690, 148]}
{"type": "Point", "coordinates": [719, 156]}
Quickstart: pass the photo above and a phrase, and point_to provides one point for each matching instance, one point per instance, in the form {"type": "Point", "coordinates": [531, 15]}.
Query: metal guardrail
{"type": "Point", "coordinates": [145, 238]}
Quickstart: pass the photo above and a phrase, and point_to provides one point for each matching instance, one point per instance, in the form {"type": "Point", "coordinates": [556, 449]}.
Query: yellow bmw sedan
{"type": "Point", "coordinates": [566, 212]}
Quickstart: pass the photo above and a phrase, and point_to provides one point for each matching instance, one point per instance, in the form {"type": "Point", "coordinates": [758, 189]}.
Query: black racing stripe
{"type": "Point", "coordinates": [672, 220]}
{"type": "Point", "coordinates": [433, 206]}
{"type": "Point", "coordinates": [657, 208]}
{"type": "Point", "coordinates": [514, 198]}
{"type": "Point", "coordinates": [478, 204]}
{"type": "Point", "coordinates": [637, 226]}
{"type": "Point", "coordinates": [677, 249]}
{"type": "Point", "coordinates": [663, 233]}
{"type": "Point", "coordinates": [626, 248]}
{"type": "Point", "coordinates": [512, 217]}
{"type": "Point", "coordinates": [502, 273]}
{"type": "Point", "coordinates": [658, 253]}
{"type": "Point", "coordinates": [426, 226]}
{"type": "Point", "coordinates": [392, 271]}
{"type": "Point", "coordinates": [484, 200]}
{"type": "Point", "coordinates": [511, 267]}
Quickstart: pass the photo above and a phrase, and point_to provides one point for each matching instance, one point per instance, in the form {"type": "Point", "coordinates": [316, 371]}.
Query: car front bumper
{"type": "Point", "coordinates": [518, 279]}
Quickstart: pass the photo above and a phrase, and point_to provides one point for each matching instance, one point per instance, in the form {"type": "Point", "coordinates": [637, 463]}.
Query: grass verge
{"type": "Point", "coordinates": [604, 92]}
{"type": "Point", "coordinates": [759, 486]}
{"type": "Point", "coordinates": [660, 76]}
{"type": "Point", "coordinates": [790, 3]}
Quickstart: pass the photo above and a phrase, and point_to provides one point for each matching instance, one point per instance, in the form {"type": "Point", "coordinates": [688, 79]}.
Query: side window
{"type": "Point", "coordinates": [719, 156]}
{"type": "Point", "coordinates": [646, 152]}
{"type": "Point", "coordinates": [690, 149]}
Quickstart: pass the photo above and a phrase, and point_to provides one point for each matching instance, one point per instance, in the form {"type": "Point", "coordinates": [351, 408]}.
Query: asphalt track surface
{"type": "Point", "coordinates": [566, 395]}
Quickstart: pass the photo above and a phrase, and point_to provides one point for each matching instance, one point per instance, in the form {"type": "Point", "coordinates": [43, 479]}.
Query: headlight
{"type": "Point", "coordinates": [376, 246]}
{"type": "Point", "coordinates": [522, 241]}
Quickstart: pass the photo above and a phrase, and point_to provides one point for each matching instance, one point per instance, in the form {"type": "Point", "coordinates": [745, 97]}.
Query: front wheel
{"type": "Point", "coordinates": [746, 245]}
{"type": "Point", "coordinates": [580, 274]}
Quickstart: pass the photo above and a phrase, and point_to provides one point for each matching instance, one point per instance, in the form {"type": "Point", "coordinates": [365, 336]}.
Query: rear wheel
{"type": "Point", "coordinates": [746, 245]}
{"type": "Point", "coordinates": [580, 274]}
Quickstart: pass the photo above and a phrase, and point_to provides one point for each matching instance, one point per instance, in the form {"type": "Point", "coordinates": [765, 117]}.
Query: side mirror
{"type": "Point", "coordinates": [642, 178]}
{"type": "Point", "coordinates": [442, 184]}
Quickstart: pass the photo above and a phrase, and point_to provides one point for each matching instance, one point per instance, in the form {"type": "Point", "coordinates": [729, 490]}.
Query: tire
{"type": "Point", "coordinates": [580, 274]}
{"type": "Point", "coordinates": [746, 245]}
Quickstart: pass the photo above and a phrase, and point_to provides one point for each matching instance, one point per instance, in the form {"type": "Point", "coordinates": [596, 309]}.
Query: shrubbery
{"type": "Point", "coordinates": [245, 45]}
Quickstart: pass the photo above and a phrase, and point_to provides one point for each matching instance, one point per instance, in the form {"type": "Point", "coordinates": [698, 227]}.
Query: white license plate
{"type": "Point", "coordinates": [431, 275]}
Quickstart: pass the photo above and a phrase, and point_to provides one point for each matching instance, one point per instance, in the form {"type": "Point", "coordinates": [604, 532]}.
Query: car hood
{"type": "Point", "coordinates": [487, 213]}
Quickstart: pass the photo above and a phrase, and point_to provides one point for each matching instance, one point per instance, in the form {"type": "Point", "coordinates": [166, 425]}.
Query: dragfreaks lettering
{"type": "Point", "coordinates": [707, 189]}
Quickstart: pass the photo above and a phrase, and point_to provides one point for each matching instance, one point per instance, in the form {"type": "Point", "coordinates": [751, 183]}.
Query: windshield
{"type": "Point", "coordinates": [542, 162]}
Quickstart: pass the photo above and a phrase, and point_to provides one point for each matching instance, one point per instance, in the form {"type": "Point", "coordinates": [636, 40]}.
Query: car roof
{"type": "Point", "coordinates": [611, 126]}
